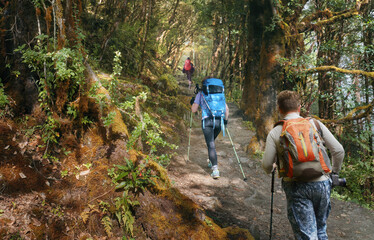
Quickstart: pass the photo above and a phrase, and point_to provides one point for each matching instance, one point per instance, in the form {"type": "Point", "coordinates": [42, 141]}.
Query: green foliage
{"type": "Point", "coordinates": [49, 128]}
{"type": "Point", "coordinates": [64, 173]}
{"type": "Point", "coordinates": [107, 224]}
{"type": "Point", "coordinates": [38, 3]}
{"type": "Point", "coordinates": [123, 212]}
{"type": "Point", "coordinates": [127, 39]}
{"type": "Point", "coordinates": [208, 222]}
{"type": "Point", "coordinates": [259, 154]}
{"type": "Point", "coordinates": [86, 121]}
{"type": "Point", "coordinates": [113, 85]}
{"type": "Point", "coordinates": [58, 212]}
{"type": "Point", "coordinates": [359, 176]}
{"type": "Point", "coordinates": [72, 112]}
{"type": "Point", "coordinates": [3, 97]}
{"type": "Point", "coordinates": [233, 92]}
{"type": "Point", "coordinates": [249, 125]}
{"type": "Point", "coordinates": [55, 69]}
{"type": "Point", "coordinates": [15, 236]}
{"type": "Point", "coordinates": [275, 21]}
{"type": "Point", "coordinates": [167, 84]}
{"type": "Point", "coordinates": [109, 119]}
{"type": "Point", "coordinates": [129, 178]}
{"type": "Point", "coordinates": [148, 131]}
{"type": "Point", "coordinates": [50, 135]}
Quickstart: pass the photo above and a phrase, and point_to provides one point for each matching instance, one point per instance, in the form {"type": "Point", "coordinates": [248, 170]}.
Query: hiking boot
{"type": "Point", "coordinates": [215, 174]}
{"type": "Point", "coordinates": [209, 163]}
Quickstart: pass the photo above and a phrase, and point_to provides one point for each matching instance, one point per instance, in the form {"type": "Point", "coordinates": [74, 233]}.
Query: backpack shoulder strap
{"type": "Point", "coordinates": [202, 95]}
{"type": "Point", "coordinates": [318, 127]}
{"type": "Point", "coordinates": [281, 122]}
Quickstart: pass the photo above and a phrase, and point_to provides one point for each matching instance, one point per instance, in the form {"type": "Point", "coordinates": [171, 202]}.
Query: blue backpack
{"type": "Point", "coordinates": [213, 93]}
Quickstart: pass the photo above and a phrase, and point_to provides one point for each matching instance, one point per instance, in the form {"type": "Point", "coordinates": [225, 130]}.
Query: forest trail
{"type": "Point", "coordinates": [231, 201]}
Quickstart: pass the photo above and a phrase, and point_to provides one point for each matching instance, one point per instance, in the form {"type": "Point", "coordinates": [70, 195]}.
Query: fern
{"type": "Point", "coordinates": [107, 223]}
{"type": "Point", "coordinates": [124, 214]}
{"type": "Point", "coordinates": [85, 215]}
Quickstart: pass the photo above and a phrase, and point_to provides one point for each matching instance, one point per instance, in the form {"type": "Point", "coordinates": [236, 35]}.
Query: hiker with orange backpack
{"type": "Point", "coordinates": [295, 148]}
{"type": "Point", "coordinates": [188, 69]}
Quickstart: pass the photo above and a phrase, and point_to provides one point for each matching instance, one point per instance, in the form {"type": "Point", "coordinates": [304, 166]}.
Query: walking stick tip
{"type": "Point", "coordinates": [245, 179]}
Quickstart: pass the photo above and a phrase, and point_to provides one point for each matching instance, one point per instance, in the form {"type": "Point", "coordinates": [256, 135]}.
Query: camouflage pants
{"type": "Point", "coordinates": [308, 207]}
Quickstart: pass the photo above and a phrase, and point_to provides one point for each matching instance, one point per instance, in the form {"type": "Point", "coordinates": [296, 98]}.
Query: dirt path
{"type": "Point", "coordinates": [232, 201]}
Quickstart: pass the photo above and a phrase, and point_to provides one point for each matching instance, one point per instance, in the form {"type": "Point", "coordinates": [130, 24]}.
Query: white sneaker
{"type": "Point", "coordinates": [215, 174]}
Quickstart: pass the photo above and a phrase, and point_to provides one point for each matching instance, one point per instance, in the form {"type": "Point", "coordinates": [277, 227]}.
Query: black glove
{"type": "Point", "coordinates": [225, 121]}
{"type": "Point", "coordinates": [196, 91]}
{"type": "Point", "coordinates": [336, 181]}
{"type": "Point", "coordinates": [192, 100]}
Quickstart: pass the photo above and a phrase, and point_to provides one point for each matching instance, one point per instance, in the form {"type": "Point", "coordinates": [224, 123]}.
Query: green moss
{"type": "Point", "coordinates": [167, 84]}
{"type": "Point", "coordinates": [238, 233]}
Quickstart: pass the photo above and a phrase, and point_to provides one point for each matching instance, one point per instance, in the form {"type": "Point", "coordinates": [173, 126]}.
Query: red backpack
{"type": "Point", "coordinates": [187, 65]}
{"type": "Point", "coordinates": [302, 155]}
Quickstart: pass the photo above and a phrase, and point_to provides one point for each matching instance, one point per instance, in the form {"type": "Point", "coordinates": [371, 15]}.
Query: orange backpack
{"type": "Point", "coordinates": [302, 155]}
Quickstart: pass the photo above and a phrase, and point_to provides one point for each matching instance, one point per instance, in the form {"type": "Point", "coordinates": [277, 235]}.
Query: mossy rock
{"type": "Point", "coordinates": [167, 84]}
{"type": "Point", "coordinates": [253, 146]}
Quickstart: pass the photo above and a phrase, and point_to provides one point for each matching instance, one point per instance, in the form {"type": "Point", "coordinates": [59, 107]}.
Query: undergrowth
{"type": "Point", "coordinates": [359, 176]}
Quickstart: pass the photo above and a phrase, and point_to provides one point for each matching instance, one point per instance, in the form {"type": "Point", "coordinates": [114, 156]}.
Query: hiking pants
{"type": "Point", "coordinates": [308, 207]}
{"type": "Point", "coordinates": [210, 135]}
{"type": "Point", "coordinates": [188, 73]}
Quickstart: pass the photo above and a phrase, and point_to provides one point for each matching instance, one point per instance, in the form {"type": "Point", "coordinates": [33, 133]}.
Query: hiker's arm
{"type": "Point", "coordinates": [194, 107]}
{"type": "Point", "coordinates": [336, 149]}
{"type": "Point", "coordinates": [196, 103]}
{"type": "Point", "coordinates": [227, 113]}
{"type": "Point", "coordinates": [270, 153]}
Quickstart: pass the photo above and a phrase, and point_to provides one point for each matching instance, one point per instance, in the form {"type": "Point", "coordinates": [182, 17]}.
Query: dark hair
{"type": "Point", "coordinates": [207, 77]}
{"type": "Point", "coordinates": [288, 101]}
{"type": "Point", "coordinates": [188, 58]}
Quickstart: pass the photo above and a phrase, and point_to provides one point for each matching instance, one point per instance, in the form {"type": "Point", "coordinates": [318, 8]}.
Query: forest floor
{"type": "Point", "coordinates": [231, 201]}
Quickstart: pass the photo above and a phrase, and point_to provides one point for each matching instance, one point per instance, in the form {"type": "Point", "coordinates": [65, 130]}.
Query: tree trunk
{"type": "Point", "coordinates": [263, 76]}
{"type": "Point", "coordinates": [368, 59]}
{"type": "Point", "coordinates": [146, 28]}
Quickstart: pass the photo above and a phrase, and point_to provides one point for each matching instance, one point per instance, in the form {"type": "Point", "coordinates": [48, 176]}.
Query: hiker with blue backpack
{"type": "Point", "coordinates": [296, 148]}
{"type": "Point", "coordinates": [215, 112]}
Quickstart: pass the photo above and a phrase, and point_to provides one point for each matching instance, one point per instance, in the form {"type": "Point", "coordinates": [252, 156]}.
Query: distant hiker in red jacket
{"type": "Point", "coordinates": [188, 69]}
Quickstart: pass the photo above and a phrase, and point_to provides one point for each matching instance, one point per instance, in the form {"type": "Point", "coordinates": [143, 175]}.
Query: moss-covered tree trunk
{"type": "Point", "coordinates": [367, 62]}
{"type": "Point", "coordinates": [326, 82]}
{"type": "Point", "coordinates": [262, 69]}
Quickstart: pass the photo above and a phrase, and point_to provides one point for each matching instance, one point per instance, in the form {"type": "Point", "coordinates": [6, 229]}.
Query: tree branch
{"type": "Point", "coordinates": [341, 70]}
{"type": "Point", "coordinates": [171, 19]}
{"type": "Point", "coordinates": [350, 117]}
{"type": "Point", "coordinates": [307, 24]}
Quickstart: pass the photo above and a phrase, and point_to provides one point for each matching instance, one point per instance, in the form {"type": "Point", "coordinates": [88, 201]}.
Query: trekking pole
{"type": "Point", "coordinates": [240, 165]}
{"type": "Point", "coordinates": [189, 140]}
{"type": "Point", "coordinates": [271, 208]}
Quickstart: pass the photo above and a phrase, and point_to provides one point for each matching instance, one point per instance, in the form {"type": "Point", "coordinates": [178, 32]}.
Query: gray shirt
{"type": "Point", "coordinates": [272, 143]}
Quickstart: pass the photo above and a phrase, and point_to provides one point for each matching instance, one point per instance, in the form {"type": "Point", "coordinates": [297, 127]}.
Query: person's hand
{"type": "Point", "coordinates": [225, 121]}
{"type": "Point", "coordinates": [192, 100]}
{"type": "Point", "coordinates": [274, 167]}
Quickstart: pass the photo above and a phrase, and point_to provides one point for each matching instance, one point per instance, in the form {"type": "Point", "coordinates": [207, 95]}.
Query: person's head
{"type": "Point", "coordinates": [288, 101]}
{"type": "Point", "coordinates": [188, 58]}
{"type": "Point", "coordinates": [207, 77]}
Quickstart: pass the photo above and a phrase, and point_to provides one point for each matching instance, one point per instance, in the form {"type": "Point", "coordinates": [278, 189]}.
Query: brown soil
{"type": "Point", "coordinates": [231, 201]}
